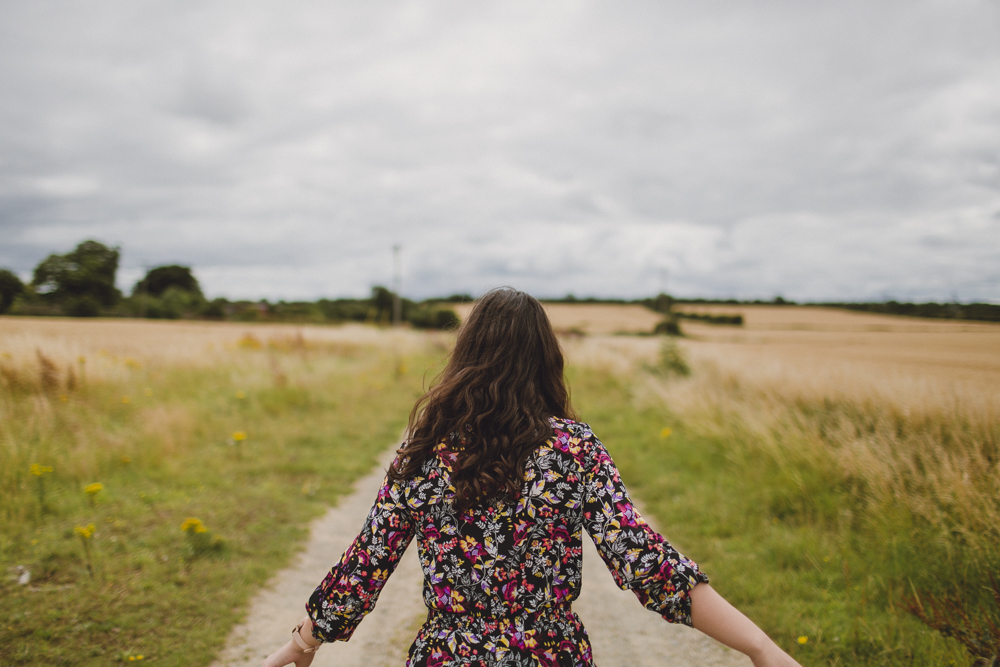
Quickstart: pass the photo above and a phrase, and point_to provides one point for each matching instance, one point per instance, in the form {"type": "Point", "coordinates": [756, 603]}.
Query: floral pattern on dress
{"type": "Point", "coordinates": [500, 578]}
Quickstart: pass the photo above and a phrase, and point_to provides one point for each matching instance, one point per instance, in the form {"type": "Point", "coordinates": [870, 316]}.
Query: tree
{"type": "Point", "coordinates": [430, 317]}
{"type": "Point", "coordinates": [10, 287]}
{"type": "Point", "coordinates": [160, 279]}
{"type": "Point", "coordinates": [382, 300]}
{"type": "Point", "coordinates": [82, 280]}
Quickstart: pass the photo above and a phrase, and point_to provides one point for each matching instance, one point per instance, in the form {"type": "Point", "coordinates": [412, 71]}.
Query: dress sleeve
{"type": "Point", "coordinates": [352, 587]}
{"type": "Point", "coordinates": [637, 556]}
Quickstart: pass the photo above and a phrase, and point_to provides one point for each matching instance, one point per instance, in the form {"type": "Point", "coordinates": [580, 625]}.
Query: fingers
{"type": "Point", "coordinates": [289, 655]}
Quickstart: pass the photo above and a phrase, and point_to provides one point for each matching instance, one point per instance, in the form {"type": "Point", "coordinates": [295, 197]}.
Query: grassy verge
{"type": "Point", "coordinates": [253, 443]}
{"type": "Point", "coordinates": [808, 548]}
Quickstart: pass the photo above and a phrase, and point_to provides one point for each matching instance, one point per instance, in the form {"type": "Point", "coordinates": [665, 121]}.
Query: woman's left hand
{"type": "Point", "coordinates": [289, 654]}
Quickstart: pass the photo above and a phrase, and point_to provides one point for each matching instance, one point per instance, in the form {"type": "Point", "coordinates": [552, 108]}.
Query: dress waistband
{"type": "Point", "coordinates": [553, 611]}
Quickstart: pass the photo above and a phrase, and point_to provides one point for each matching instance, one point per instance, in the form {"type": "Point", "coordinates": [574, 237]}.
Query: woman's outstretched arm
{"type": "Point", "coordinates": [713, 615]}
{"type": "Point", "coordinates": [352, 587]}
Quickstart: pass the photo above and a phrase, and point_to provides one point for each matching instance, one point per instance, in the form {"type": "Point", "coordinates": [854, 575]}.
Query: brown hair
{"type": "Point", "coordinates": [503, 381]}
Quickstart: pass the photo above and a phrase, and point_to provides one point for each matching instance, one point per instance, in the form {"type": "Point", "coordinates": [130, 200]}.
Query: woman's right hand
{"type": "Point", "coordinates": [289, 654]}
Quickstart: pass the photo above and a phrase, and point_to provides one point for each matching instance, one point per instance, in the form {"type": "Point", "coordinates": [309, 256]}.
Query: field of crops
{"type": "Point", "coordinates": [828, 469]}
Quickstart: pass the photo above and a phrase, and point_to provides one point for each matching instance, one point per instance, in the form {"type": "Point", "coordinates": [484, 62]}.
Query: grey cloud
{"type": "Point", "coordinates": [745, 149]}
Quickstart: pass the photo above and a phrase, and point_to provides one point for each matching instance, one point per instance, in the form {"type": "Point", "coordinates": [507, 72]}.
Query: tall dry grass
{"type": "Point", "coordinates": [832, 481]}
{"type": "Point", "coordinates": [928, 445]}
{"type": "Point", "coordinates": [84, 395]}
{"type": "Point", "coordinates": [906, 410]}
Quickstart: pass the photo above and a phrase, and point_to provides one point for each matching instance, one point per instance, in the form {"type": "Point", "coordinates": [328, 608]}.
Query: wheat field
{"type": "Point", "coordinates": [895, 421]}
{"type": "Point", "coordinates": [926, 391]}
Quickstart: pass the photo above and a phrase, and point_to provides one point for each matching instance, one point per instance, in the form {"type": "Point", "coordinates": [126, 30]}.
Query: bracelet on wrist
{"type": "Point", "coordinates": [300, 642]}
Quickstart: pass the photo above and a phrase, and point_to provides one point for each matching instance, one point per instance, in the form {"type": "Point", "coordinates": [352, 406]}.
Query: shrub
{"type": "Point", "coordinates": [672, 361]}
{"type": "Point", "coordinates": [10, 287]}
{"type": "Point", "coordinates": [162, 278]}
{"type": "Point", "coordinates": [433, 318]}
{"type": "Point", "coordinates": [974, 626]}
{"type": "Point", "coordinates": [668, 327]}
{"type": "Point", "coordinates": [84, 305]}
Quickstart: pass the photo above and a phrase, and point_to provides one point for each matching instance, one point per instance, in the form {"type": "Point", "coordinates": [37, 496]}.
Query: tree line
{"type": "Point", "coordinates": [81, 283]}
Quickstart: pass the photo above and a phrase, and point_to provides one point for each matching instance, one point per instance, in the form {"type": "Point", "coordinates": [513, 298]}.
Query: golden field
{"type": "Point", "coordinates": [831, 451]}
{"type": "Point", "coordinates": [911, 406]}
{"type": "Point", "coordinates": [590, 318]}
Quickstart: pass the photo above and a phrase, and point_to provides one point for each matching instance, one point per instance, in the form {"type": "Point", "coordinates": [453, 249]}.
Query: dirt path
{"type": "Point", "coordinates": [622, 632]}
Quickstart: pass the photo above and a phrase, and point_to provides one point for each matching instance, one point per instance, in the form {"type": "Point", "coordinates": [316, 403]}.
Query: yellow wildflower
{"type": "Point", "coordinates": [241, 394]}
{"type": "Point", "coordinates": [126, 399]}
{"type": "Point", "coordinates": [665, 433]}
{"type": "Point", "coordinates": [40, 470]}
{"type": "Point", "coordinates": [193, 525]}
{"type": "Point", "coordinates": [85, 532]}
{"type": "Point", "coordinates": [126, 459]}
{"type": "Point", "coordinates": [239, 436]}
{"type": "Point", "coordinates": [803, 639]}
{"type": "Point", "coordinates": [93, 489]}
{"type": "Point", "coordinates": [249, 342]}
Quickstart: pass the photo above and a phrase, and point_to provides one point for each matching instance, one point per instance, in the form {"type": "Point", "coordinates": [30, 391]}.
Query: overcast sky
{"type": "Point", "coordinates": [841, 150]}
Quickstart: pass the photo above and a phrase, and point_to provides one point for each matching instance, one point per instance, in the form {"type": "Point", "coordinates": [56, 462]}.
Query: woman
{"type": "Point", "coordinates": [497, 480]}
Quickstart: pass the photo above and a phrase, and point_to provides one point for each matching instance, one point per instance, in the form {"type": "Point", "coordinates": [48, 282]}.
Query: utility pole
{"type": "Point", "coordinates": [397, 303]}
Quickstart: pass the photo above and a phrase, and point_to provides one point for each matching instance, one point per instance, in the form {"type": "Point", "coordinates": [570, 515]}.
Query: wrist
{"type": "Point", "coordinates": [305, 643]}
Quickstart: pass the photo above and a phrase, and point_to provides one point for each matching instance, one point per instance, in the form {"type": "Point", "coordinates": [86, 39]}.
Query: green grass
{"type": "Point", "coordinates": [782, 538]}
{"type": "Point", "coordinates": [314, 422]}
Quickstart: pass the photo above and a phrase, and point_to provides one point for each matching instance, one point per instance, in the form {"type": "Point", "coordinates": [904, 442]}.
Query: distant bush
{"type": "Point", "coordinates": [668, 327]}
{"type": "Point", "coordinates": [341, 310]}
{"type": "Point", "coordinates": [214, 309]}
{"type": "Point", "coordinates": [162, 278]}
{"type": "Point", "coordinates": [458, 298]}
{"type": "Point", "coordinates": [10, 287]}
{"type": "Point", "coordinates": [987, 312]}
{"type": "Point", "coordinates": [433, 318]}
{"type": "Point", "coordinates": [83, 305]}
{"type": "Point", "coordinates": [672, 361]}
{"type": "Point", "coordinates": [709, 318]}
{"type": "Point", "coordinates": [661, 303]}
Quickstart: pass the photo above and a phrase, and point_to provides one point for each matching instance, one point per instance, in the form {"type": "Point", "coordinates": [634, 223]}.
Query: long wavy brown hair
{"type": "Point", "coordinates": [493, 400]}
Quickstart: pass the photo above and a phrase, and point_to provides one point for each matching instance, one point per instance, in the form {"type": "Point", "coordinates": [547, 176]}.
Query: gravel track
{"type": "Point", "coordinates": [622, 632]}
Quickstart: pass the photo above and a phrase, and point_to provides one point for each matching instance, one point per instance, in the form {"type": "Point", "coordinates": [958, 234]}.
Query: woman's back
{"type": "Point", "coordinates": [499, 578]}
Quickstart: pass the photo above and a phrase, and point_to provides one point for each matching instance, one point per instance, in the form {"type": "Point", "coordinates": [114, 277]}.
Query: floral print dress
{"type": "Point", "coordinates": [500, 579]}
